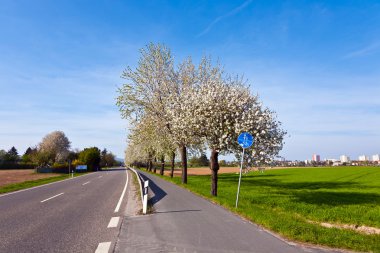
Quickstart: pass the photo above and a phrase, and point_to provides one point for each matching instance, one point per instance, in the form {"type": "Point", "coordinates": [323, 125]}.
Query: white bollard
{"type": "Point", "coordinates": [145, 197]}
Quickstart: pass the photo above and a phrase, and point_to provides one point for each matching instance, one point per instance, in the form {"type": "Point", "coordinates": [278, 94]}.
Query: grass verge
{"type": "Point", "coordinates": [291, 202]}
{"type": "Point", "coordinates": [137, 186]}
{"type": "Point", "coordinates": [33, 183]}
{"type": "Point", "coordinates": [150, 208]}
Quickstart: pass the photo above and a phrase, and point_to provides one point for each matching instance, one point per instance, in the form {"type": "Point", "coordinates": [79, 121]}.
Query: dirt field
{"type": "Point", "coordinates": [18, 176]}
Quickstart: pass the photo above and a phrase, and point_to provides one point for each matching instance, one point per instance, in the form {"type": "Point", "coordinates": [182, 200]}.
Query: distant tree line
{"type": "Point", "coordinates": [54, 152]}
{"type": "Point", "coordinates": [11, 160]}
{"type": "Point", "coordinates": [199, 161]}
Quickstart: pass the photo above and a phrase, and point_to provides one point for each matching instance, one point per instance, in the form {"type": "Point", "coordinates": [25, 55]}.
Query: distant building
{"type": "Point", "coordinates": [316, 158]}
{"type": "Point", "coordinates": [376, 158]}
{"type": "Point", "coordinates": [344, 159]}
{"type": "Point", "coordinates": [337, 163]}
{"type": "Point", "coordinates": [363, 158]}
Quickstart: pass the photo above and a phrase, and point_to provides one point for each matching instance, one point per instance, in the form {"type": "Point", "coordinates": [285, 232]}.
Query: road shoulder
{"type": "Point", "coordinates": [134, 205]}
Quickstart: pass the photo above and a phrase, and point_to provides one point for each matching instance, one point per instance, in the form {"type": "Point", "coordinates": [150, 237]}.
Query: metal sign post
{"type": "Point", "coordinates": [69, 167]}
{"type": "Point", "coordinates": [245, 140]}
{"type": "Point", "coordinates": [241, 168]}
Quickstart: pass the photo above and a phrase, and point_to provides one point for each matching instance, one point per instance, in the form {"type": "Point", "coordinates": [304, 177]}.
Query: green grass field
{"type": "Point", "coordinates": [288, 201]}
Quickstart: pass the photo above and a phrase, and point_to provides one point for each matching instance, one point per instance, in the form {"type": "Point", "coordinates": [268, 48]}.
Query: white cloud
{"type": "Point", "coordinates": [367, 50]}
{"type": "Point", "coordinates": [220, 18]}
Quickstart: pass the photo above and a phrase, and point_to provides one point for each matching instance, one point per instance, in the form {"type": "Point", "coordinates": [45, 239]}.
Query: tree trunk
{"type": "Point", "coordinates": [150, 166]}
{"type": "Point", "coordinates": [184, 163]}
{"type": "Point", "coordinates": [214, 166]}
{"type": "Point", "coordinates": [162, 165]}
{"type": "Point", "coordinates": [173, 163]}
{"type": "Point", "coordinates": [150, 163]}
{"type": "Point", "coordinates": [154, 165]}
{"type": "Point", "coordinates": [147, 165]}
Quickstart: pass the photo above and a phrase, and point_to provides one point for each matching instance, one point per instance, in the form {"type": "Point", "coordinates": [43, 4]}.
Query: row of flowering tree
{"type": "Point", "coordinates": [173, 108]}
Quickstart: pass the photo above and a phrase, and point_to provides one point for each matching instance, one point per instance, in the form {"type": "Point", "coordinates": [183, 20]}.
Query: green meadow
{"type": "Point", "coordinates": [294, 203]}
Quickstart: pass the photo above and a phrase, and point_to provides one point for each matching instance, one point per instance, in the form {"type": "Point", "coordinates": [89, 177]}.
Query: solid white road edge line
{"type": "Point", "coordinates": [35, 187]}
{"type": "Point", "coordinates": [52, 197]}
{"type": "Point", "coordinates": [113, 222]}
{"type": "Point", "coordinates": [122, 194]}
{"type": "Point", "coordinates": [86, 183]}
{"type": "Point", "coordinates": [103, 247]}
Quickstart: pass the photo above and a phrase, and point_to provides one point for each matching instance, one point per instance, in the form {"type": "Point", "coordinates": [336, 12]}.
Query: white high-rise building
{"type": "Point", "coordinates": [376, 158]}
{"type": "Point", "coordinates": [316, 158]}
{"type": "Point", "coordinates": [344, 159]}
{"type": "Point", "coordinates": [363, 158]}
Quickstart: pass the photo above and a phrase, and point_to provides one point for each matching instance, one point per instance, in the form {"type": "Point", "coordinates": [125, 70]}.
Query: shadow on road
{"type": "Point", "coordinates": [158, 192]}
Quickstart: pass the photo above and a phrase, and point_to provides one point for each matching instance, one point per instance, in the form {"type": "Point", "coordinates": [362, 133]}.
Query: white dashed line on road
{"type": "Point", "coordinates": [122, 195]}
{"type": "Point", "coordinates": [86, 183]}
{"type": "Point", "coordinates": [103, 247]}
{"type": "Point", "coordinates": [52, 197]}
{"type": "Point", "coordinates": [100, 176]}
{"type": "Point", "coordinates": [113, 222]}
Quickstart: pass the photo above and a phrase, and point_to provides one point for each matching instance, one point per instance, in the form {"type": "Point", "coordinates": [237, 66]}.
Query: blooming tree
{"type": "Point", "coordinates": [135, 152]}
{"type": "Point", "coordinates": [148, 85]}
{"type": "Point", "coordinates": [155, 88]}
{"type": "Point", "coordinates": [55, 145]}
{"type": "Point", "coordinates": [222, 108]}
{"type": "Point", "coordinates": [192, 107]}
{"type": "Point", "coordinates": [179, 111]}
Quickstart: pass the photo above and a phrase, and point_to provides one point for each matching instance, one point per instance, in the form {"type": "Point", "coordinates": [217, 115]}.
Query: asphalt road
{"type": "Point", "coordinates": [184, 222]}
{"type": "Point", "coordinates": [67, 216]}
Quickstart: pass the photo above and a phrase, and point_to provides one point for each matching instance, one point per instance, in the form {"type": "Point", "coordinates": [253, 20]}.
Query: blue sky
{"type": "Point", "coordinates": [316, 63]}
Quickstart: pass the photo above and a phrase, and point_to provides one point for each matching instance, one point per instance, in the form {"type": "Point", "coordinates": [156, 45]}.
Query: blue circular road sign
{"type": "Point", "coordinates": [245, 140]}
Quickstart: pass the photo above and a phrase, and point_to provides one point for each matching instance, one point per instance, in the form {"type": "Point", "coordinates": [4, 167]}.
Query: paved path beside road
{"type": "Point", "coordinates": [184, 222]}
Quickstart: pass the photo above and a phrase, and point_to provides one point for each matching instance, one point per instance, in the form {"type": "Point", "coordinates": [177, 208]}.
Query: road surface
{"type": "Point", "coordinates": [184, 222]}
{"type": "Point", "coordinates": [82, 214]}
